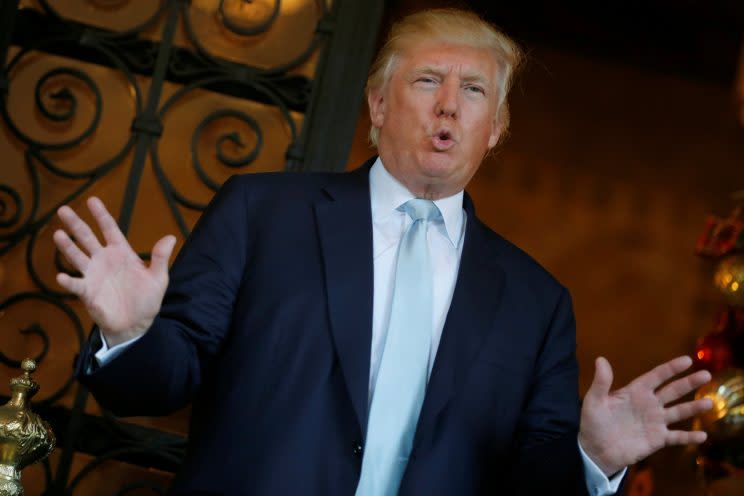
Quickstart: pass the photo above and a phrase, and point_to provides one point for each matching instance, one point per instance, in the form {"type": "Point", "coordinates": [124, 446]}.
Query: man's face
{"type": "Point", "coordinates": [437, 116]}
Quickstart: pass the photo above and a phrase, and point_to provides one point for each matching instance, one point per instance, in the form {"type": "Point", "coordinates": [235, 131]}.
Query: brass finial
{"type": "Point", "coordinates": [24, 437]}
{"type": "Point", "coordinates": [29, 365]}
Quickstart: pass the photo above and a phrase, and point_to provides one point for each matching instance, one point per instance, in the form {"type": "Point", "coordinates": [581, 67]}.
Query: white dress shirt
{"type": "Point", "coordinates": [445, 247]}
{"type": "Point", "coordinates": [445, 239]}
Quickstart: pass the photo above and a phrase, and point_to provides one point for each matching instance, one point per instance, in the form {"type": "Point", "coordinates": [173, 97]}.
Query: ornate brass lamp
{"type": "Point", "coordinates": [24, 437]}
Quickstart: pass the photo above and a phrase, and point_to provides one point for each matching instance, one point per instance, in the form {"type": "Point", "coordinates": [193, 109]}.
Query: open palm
{"type": "Point", "coordinates": [622, 427]}
{"type": "Point", "coordinates": [121, 293]}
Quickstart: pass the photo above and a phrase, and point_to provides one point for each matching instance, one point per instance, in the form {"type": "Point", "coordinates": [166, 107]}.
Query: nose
{"type": "Point", "coordinates": [447, 99]}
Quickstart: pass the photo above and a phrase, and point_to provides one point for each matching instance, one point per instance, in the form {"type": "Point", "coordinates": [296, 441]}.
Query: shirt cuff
{"type": "Point", "coordinates": [597, 482]}
{"type": "Point", "coordinates": [106, 354]}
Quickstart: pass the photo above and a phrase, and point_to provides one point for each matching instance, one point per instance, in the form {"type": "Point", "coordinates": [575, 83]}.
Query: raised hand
{"type": "Point", "coordinates": [121, 294]}
{"type": "Point", "coordinates": [622, 427]}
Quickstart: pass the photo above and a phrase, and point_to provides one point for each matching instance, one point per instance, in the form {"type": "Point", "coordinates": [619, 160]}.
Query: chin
{"type": "Point", "coordinates": [438, 165]}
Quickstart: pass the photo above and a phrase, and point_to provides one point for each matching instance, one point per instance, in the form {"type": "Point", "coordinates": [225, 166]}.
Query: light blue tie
{"type": "Point", "coordinates": [401, 380]}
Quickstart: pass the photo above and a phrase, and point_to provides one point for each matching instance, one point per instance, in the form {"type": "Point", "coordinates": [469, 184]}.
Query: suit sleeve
{"type": "Point", "coordinates": [547, 457]}
{"type": "Point", "coordinates": [162, 371]}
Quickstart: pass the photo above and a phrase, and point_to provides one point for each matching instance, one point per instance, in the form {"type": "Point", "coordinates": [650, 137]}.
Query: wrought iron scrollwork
{"type": "Point", "coordinates": [11, 206]}
{"type": "Point", "coordinates": [112, 6]}
{"type": "Point", "coordinates": [115, 454]}
{"type": "Point", "coordinates": [233, 27]}
{"type": "Point", "coordinates": [171, 193]}
{"type": "Point", "coordinates": [40, 299]}
{"type": "Point", "coordinates": [130, 442]}
{"type": "Point", "coordinates": [37, 330]}
{"type": "Point", "coordinates": [38, 151]}
{"type": "Point", "coordinates": [260, 27]}
{"type": "Point", "coordinates": [232, 137]}
{"type": "Point", "coordinates": [67, 94]}
{"type": "Point", "coordinates": [58, 94]}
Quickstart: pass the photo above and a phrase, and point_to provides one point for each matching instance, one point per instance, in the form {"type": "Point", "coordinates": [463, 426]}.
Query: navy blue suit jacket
{"type": "Point", "coordinates": [266, 326]}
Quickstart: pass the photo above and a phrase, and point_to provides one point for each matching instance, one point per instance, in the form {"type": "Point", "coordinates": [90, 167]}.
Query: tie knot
{"type": "Point", "coordinates": [421, 209]}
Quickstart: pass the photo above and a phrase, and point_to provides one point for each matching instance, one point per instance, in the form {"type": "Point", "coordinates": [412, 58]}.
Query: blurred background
{"type": "Point", "coordinates": [625, 154]}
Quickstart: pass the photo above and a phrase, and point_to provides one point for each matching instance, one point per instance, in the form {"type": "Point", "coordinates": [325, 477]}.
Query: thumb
{"type": "Point", "coordinates": [602, 378]}
{"type": "Point", "coordinates": [161, 253]}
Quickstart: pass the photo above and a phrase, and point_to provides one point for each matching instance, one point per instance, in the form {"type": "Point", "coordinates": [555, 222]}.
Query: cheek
{"type": "Point", "coordinates": [416, 106]}
{"type": "Point", "coordinates": [409, 125]}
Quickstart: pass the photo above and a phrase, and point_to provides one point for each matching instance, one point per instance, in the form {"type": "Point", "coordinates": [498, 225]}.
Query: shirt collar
{"type": "Point", "coordinates": [387, 194]}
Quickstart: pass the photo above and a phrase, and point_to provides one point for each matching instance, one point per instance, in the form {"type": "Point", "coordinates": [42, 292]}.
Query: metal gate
{"type": "Point", "coordinates": [151, 105]}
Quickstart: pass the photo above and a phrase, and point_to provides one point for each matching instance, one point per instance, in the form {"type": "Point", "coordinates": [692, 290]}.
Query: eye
{"type": "Point", "coordinates": [426, 80]}
{"type": "Point", "coordinates": [475, 89]}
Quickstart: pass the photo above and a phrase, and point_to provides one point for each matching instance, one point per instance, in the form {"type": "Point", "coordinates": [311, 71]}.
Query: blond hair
{"type": "Point", "coordinates": [448, 25]}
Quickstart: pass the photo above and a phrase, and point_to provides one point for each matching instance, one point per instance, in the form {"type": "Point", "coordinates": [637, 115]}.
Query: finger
{"type": "Point", "coordinates": [685, 437]}
{"type": "Point", "coordinates": [687, 410]}
{"type": "Point", "coordinates": [675, 390]}
{"type": "Point", "coordinates": [70, 250]}
{"type": "Point", "coordinates": [662, 373]}
{"type": "Point", "coordinates": [79, 229]}
{"type": "Point", "coordinates": [161, 253]}
{"type": "Point", "coordinates": [107, 224]}
{"type": "Point", "coordinates": [74, 285]}
{"type": "Point", "coordinates": [602, 381]}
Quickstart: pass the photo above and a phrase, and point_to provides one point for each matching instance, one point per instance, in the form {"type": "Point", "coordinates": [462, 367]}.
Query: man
{"type": "Point", "coordinates": [364, 332]}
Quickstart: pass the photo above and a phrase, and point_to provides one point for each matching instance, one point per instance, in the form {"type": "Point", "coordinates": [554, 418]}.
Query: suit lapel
{"type": "Point", "coordinates": [344, 225]}
{"type": "Point", "coordinates": [470, 318]}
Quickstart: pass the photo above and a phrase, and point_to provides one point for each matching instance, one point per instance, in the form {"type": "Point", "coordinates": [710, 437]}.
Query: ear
{"type": "Point", "coordinates": [376, 104]}
{"type": "Point", "coordinates": [493, 138]}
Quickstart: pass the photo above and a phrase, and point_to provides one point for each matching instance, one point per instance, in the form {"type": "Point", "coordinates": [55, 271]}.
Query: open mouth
{"type": "Point", "coordinates": [443, 140]}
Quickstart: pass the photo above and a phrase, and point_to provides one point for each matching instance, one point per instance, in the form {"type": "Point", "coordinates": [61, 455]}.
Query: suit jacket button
{"type": "Point", "coordinates": [358, 449]}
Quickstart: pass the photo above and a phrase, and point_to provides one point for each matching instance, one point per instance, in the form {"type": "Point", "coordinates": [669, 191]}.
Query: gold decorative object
{"type": "Point", "coordinates": [726, 419]}
{"type": "Point", "coordinates": [24, 437]}
{"type": "Point", "coordinates": [729, 279]}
